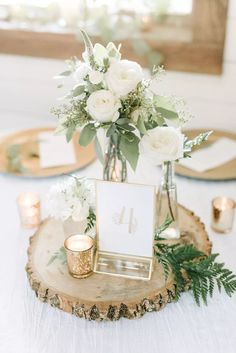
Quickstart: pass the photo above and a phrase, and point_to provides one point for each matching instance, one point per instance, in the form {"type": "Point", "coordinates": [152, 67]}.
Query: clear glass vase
{"type": "Point", "coordinates": [115, 168]}
{"type": "Point", "coordinates": [167, 204]}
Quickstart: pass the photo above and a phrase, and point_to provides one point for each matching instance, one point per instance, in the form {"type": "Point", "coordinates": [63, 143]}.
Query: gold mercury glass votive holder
{"type": "Point", "coordinates": [79, 252]}
{"type": "Point", "coordinates": [223, 209]}
{"type": "Point", "coordinates": [29, 209]}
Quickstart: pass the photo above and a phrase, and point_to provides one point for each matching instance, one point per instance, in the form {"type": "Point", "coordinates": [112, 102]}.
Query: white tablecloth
{"type": "Point", "coordinates": [29, 326]}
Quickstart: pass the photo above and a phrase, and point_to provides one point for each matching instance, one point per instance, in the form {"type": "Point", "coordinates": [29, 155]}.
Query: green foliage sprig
{"type": "Point", "coordinates": [59, 255]}
{"type": "Point", "coordinates": [14, 163]}
{"type": "Point", "coordinates": [197, 141]}
{"type": "Point", "coordinates": [192, 268]}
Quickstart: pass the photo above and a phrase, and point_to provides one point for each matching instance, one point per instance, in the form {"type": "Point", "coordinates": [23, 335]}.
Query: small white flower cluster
{"type": "Point", "coordinates": [72, 198]}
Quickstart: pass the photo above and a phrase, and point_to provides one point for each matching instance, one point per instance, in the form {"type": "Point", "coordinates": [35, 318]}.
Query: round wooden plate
{"type": "Point", "coordinates": [29, 155]}
{"type": "Point", "coordinates": [102, 297]}
{"type": "Point", "coordinates": [226, 171]}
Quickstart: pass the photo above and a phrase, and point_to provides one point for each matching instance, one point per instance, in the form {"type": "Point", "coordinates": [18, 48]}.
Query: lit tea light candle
{"type": "Point", "coordinates": [79, 251]}
{"type": "Point", "coordinates": [223, 209]}
{"type": "Point", "coordinates": [29, 209]}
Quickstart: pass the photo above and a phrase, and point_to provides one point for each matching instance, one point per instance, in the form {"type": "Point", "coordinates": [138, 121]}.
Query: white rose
{"type": "Point", "coordinates": [103, 106]}
{"type": "Point", "coordinates": [95, 77]}
{"type": "Point", "coordinates": [123, 76]}
{"type": "Point", "coordinates": [81, 71]}
{"type": "Point", "coordinates": [162, 144]}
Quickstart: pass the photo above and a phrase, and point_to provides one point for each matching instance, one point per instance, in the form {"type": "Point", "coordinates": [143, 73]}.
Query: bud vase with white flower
{"type": "Point", "coordinates": [164, 146]}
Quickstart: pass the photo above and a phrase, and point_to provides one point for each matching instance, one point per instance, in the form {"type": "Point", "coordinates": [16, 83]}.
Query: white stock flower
{"type": "Point", "coordinates": [80, 211]}
{"type": "Point", "coordinates": [103, 106]}
{"type": "Point", "coordinates": [162, 144]}
{"type": "Point", "coordinates": [74, 198]}
{"type": "Point", "coordinates": [123, 76]}
{"type": "Point", "coordinates": [95, 77]}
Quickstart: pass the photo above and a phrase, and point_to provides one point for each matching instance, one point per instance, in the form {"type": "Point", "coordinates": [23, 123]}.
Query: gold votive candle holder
{"type": "Point", "coordinates": [223, 209]}
{"type": "Point", "coordinates": [29, 209]}
{"type": "Point", "coordinates": [79, 252]}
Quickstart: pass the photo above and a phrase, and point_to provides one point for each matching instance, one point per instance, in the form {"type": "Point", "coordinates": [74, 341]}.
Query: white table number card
{"type": "Point", "coordinates": [125, 229]}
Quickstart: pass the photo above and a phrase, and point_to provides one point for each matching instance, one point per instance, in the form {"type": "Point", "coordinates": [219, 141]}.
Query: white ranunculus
{"type": "Point", "coordinates": [123, 76]}
{"type": "Point", "coordinates": [81, 71]}
{"type": "Point", "coordinates": [103, 106]}
{"type": "Point", "coordinates": [95, 77]}
{"type": "Point", "coordinates": [162, 144]}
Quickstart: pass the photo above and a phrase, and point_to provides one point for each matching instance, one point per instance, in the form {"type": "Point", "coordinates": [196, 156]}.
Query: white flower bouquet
{"type": "Point", "coordinates": [75, 199]}
{"type": "Point", "coordinates": [112, 97]}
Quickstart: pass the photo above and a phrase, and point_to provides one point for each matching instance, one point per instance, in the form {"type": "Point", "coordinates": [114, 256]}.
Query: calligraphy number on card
{"type": "Point", "coordinates": [126, 216]}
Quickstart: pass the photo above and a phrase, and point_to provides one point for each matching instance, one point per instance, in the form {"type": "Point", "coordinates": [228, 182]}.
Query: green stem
{"type": "Point", "coordinates": [168, 192]}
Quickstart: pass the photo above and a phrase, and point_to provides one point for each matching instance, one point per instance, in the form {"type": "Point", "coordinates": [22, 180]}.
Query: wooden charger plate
{"type": "Point", "coordinates": [27, 141]}
{"type": "Point", "coordinates": [100, 296]}
{"type": "Point", "coordinates": [225, 171]}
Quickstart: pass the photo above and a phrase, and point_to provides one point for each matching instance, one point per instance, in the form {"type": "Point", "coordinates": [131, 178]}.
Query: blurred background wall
{"type": "Point", "coordinates": [28, 91]}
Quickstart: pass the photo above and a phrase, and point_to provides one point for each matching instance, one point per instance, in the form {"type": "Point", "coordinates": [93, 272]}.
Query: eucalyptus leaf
{"type": "Point", "coordinates": [70, 132]}
{"type": "Point", "coordinates": [78, 90]}
{"type": "Point", "coordinates": [127, 127]}
{"type": "Point", "coordinates": [87, 134]}
{"type": "Point", "coordinates": [98, 150]}
{"type": "Point", "coordinates": [122, 121]}
{"type": "Point", "coordinates": [168, 114]}
{"type": "Point", "coordinates": [129, 146]}
{"type": "Point", "coordinates": [111, 130]}
{"type": "Point", "coordinates": [141, 126]}
{"type": "Point", "coordinates": [164, 102]}
{"type": "Point", "coordinates": [64, 74]}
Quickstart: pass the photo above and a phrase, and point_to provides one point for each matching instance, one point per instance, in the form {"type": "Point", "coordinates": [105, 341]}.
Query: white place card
{"type": "Point", "coordinates": [54, 151]}
{"type": "Point", "coordinates": [125, 218]}
{"type": "Point", "coordinates": [219, 153]}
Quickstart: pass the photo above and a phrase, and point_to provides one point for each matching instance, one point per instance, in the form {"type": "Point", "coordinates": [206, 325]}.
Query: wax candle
{"type": "Point", "coordinates": [79, 251]}
{"type": "Point", "coordinates": [29, 209]}
{"type": "Point", "coordinates": [223, 210]}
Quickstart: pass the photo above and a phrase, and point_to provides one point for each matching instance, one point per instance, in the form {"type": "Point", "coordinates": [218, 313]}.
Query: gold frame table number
{"type": "Point", "coordinates": [125, 229]}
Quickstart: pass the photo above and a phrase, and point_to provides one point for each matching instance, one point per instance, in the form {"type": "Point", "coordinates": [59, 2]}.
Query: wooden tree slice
{"type": "Point", "coordinates": [102, 297]}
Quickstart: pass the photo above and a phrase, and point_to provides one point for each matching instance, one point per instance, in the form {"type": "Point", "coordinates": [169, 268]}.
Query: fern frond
{"type": "Point", "coordinates": [188, 264]}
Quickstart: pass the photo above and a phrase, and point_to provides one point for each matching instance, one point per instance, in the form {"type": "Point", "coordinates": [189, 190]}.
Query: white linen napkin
{"type": "Point", "coordinates": [54, 151]}
{"type": "Point", "coordinates": [219, 153]}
